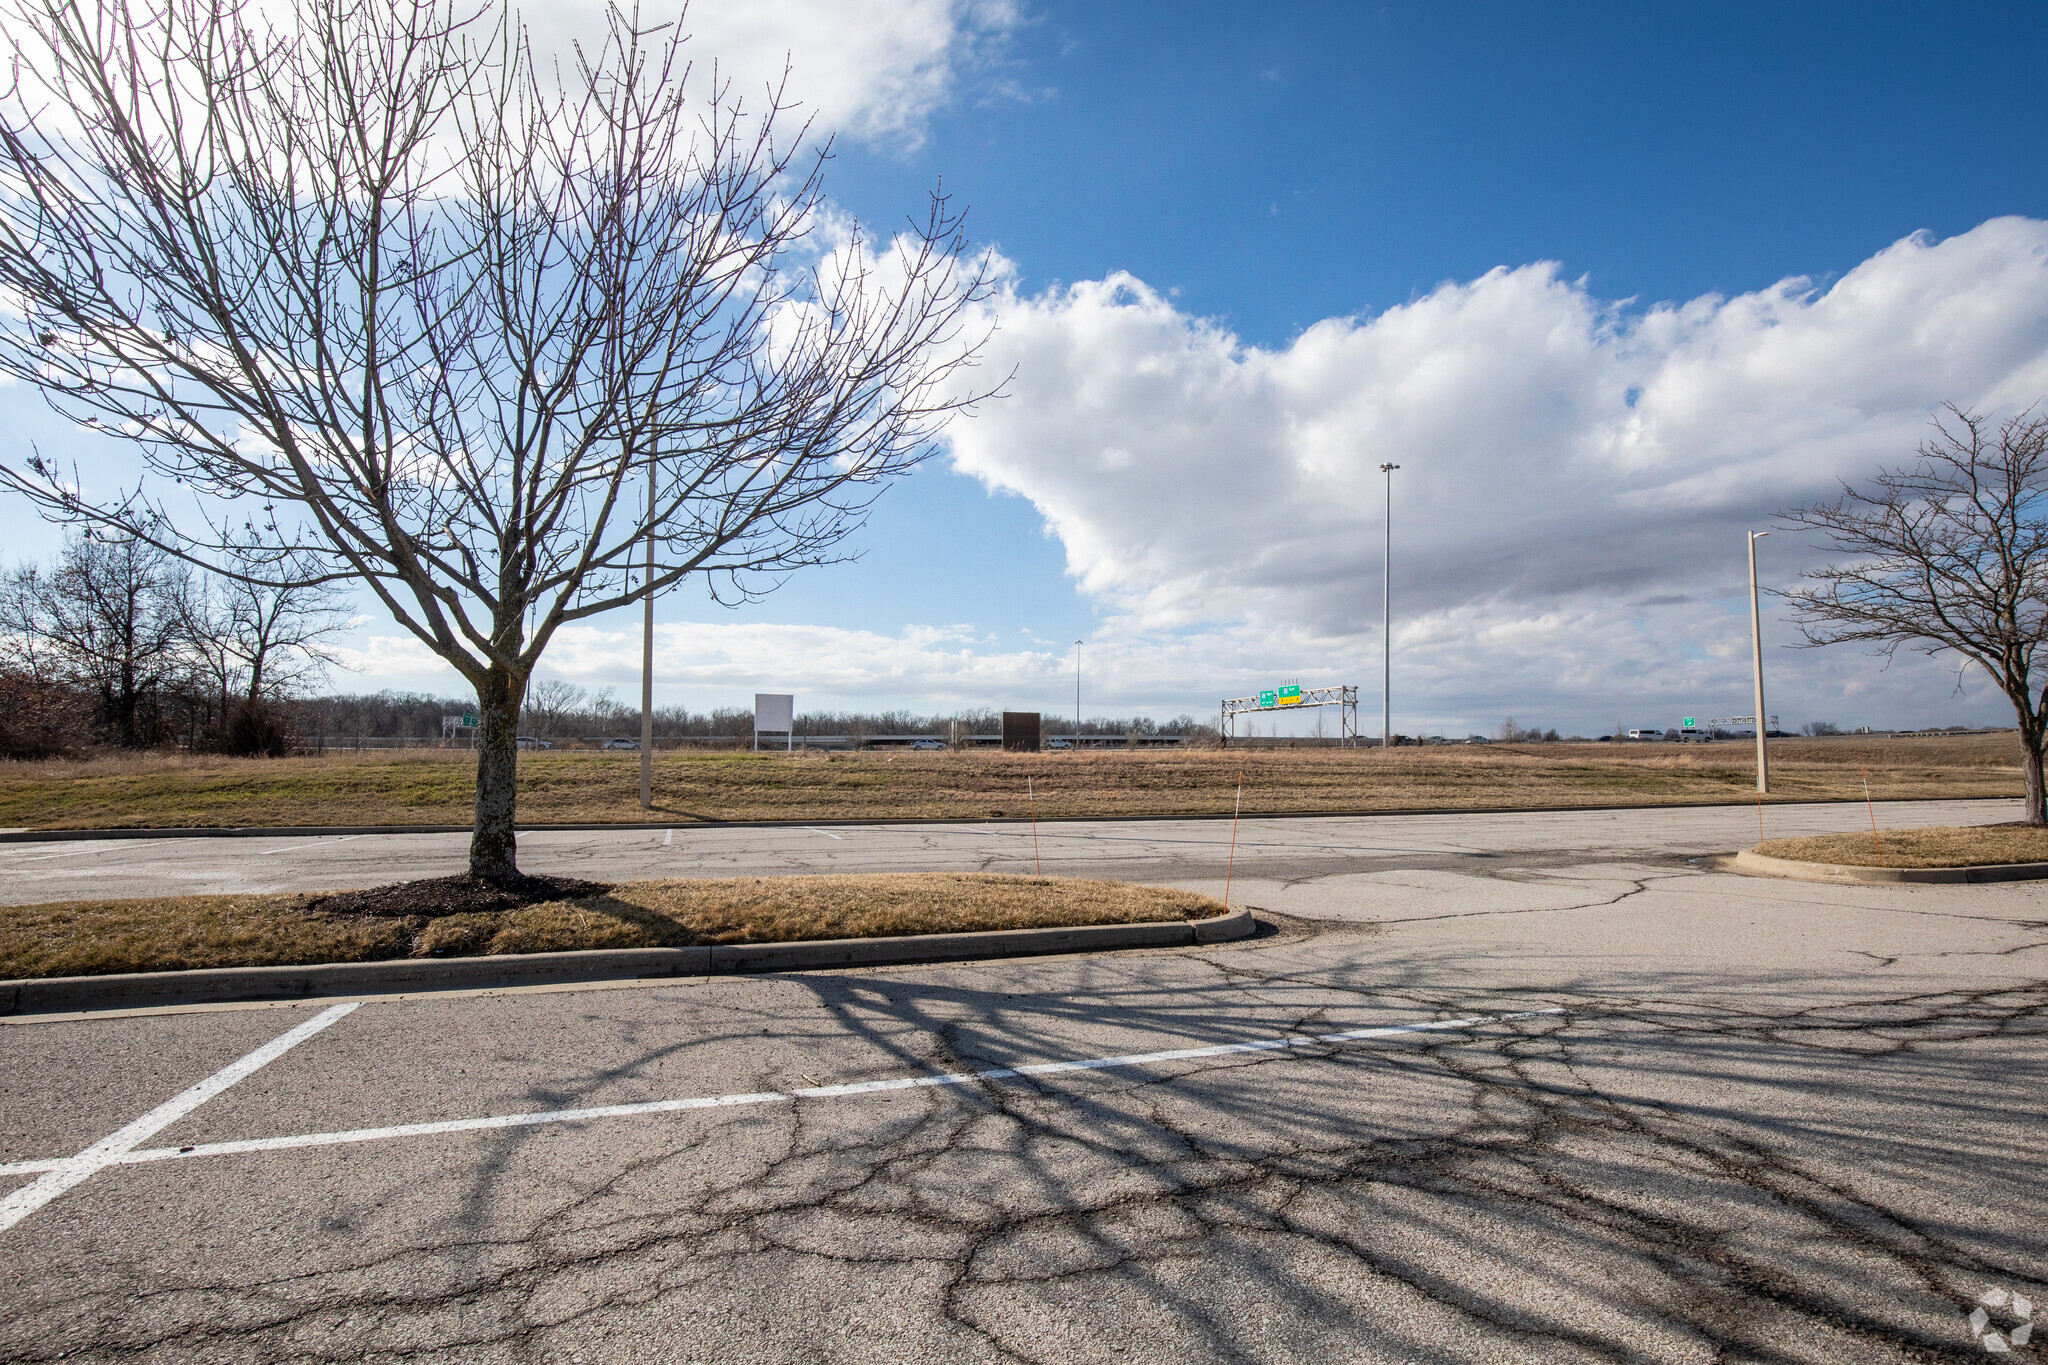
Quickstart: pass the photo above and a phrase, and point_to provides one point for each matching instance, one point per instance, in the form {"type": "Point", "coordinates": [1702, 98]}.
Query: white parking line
{"type": "Point", "coordinates": [82, 852]}
{"type": "Point", "coordinates": [826, 832]}
{"type": "Point", "coordinates": [61, 1175]}
{"type": "Point", "coordinates": [667, 837]}
{"type": "Point", "coordinates": [816, 1092]}
{"type": "Point", "coordinates": [285, 848]}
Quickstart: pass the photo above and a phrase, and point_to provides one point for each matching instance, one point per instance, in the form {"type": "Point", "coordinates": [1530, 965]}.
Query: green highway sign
{"type": "Point", "coordinates": [469, 720]}
{"type": "Point", "coordinates": [1691, 724]}
{"type": "Point", "coordinates": [1290, 695]}
{"type": "Point", "coordinates": [1265, 699]}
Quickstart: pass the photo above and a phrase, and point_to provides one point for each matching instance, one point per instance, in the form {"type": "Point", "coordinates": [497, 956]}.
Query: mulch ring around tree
{"type": "Point", "coordinates": [437, 897]}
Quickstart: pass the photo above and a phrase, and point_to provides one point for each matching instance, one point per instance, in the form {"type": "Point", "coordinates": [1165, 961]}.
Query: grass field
{"type": "Point", "coordinates": [183, 933]}
{"type": "Point", "coordinates": [1941, 846]}
{"type": "Point", "coordinates": [435, 787]}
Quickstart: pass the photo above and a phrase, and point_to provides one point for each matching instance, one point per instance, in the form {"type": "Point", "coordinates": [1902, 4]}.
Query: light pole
{"type": "Point", "coordinates": [1387, 621]}
{"type": "Point", "coordinates": [1077, 695]}
{"type": "Point", "coordinates": [1756, 655]}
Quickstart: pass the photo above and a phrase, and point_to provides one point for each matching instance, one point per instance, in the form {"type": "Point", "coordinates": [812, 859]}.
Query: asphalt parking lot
{"type": "Point", "coordinates": [1487, 1088]}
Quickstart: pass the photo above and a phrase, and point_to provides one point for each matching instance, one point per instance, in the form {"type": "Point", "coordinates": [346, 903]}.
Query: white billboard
{"type": "Point", "coordinates": [774, 714]}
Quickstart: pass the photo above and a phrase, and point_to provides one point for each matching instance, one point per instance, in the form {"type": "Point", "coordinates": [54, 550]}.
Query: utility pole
{"type": "Point", "coordinates": [1077, 696]}
{"type": "Point", "coordinates": [1756, 655]}
{"type": "Point", "coordinates": [1387, 621]}
{"type": "Point", "coordinates": [647, 660]}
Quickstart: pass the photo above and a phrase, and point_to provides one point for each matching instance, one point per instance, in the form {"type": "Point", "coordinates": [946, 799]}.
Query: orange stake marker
{"type": "Point", "coordinates": [1872, 808]}
{"type": "Point", "coordinates": [1231, 866]}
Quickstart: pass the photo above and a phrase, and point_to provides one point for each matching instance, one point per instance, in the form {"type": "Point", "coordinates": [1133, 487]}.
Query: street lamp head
{"type": "Point", "coordinates": [1385, 468]}
{"type": "Point", "coordinates": [1758, 535]}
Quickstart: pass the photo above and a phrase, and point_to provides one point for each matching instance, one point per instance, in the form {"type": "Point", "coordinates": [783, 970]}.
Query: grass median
{"type": "Point", "coordinates": [1938, 846]}
{"type": "Point", "coordinates": [181, 933]}
{"type": "Point", "coordinates": [437, 786]}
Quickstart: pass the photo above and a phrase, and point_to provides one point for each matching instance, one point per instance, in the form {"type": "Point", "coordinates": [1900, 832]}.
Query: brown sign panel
{"type": "Point", "coordinates": [1020, 731]}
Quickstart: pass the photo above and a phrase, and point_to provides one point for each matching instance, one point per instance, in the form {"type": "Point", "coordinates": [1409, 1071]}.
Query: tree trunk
{"type": "Point", "coordinates": [125, 706]}
{"type": "Point", "coordinates": [492, 852]}
{"type": "Point", "coordinates": [2030, 762]}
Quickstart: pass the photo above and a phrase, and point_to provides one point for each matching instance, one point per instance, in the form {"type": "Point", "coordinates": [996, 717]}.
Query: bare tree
{"type": "Point", "coordinates": [258, 638]}
{"type": "Point", "coordinates": [505, 342]}
{"type": "Point", "coordinates": [106, 618]}
{"type": "Point", "coordinates": [549, 702]}
{"type": "Point", "coordinates": [1949, 556]}
{"type": "Point", "coordinates": [606, 710]}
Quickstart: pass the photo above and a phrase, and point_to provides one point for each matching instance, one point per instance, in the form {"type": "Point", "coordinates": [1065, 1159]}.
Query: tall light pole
{"type": "Point", "coordinates": [1387, 621]}
{"type": "Point", "coordinates": [1756, 655]}
{"type": "Point", "coordinates": [1077, 694]}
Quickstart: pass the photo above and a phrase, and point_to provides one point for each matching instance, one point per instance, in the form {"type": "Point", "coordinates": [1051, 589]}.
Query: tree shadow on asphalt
{"type": "Point", "coordinates": [1720, 1169]}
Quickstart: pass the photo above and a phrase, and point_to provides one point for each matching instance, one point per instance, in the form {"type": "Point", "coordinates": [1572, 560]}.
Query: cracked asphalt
{"type": "Point", "coordinates": [1771, 1121]}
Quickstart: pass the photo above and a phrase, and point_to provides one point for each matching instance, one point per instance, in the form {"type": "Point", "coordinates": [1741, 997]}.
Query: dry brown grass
{"type": "Point", "coordinates": [89, 938]}
{"type": "Point", "coordinates": [435, 786]}
{"type": "Point", "coordinates": [182, 933]}
{"type": "Point", "coordinates": [1939, 846]}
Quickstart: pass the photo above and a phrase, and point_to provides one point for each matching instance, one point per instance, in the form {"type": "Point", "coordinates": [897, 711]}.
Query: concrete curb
{"type": "Point", "coordinates": [141, 990]}
{"type": "Point", "coordinates": [43, 836]}
{"type": "Point", "coordinates": [1762, 865]}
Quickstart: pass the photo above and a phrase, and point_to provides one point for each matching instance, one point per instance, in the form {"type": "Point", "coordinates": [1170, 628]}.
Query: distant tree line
{"type": "Point", "coordinates": [1512, 732]}
{"type": "Point", "coordinates": [556, 709]}
{"type": "Point", "coordinates": [116, 643]}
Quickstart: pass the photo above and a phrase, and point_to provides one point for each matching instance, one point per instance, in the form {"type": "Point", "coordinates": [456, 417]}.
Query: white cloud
{"type": "Point", "coordinates": [939, 663]}
{"type": "Point", "coordinates": [1586, 668]}
{"type": "Point", "coordinates": [721, 663]}
{"type": "Point", "coordinates": [1576, 472]}
{"type": "Point", "coordinates": [876, 70]}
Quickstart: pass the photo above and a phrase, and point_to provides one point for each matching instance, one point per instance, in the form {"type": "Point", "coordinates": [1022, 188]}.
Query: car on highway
{"type": "Point", "coordinates": [622, 744]}
{"type": "Point", "coordinates": [1477, 739]}
{"type": "Point", "coordinates": [529, 742]}
{"type": "Point", "coordinates": [926, 744]}
{"type": "Point", "coordinates": [1059, 744]}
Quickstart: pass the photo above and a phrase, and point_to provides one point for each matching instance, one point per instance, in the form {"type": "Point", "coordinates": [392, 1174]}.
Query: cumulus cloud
{"type": "Point", "coordinates": [935, 665]}
{"type": "Point", "coordinates": [710, 663]}
{"type": "Point", "coordinates": [1576, 472]}
{"type": "Point", "coordinates": [876, 71]}
{"type": "Point", "coordinates": [1586, 668]}
{"type": "Point", "coordinates": [1577, 475]}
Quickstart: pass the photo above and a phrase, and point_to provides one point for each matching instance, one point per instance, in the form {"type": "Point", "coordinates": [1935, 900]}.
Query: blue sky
{"type": "Point", "coordinates": [1274, 165]}
{"type": "Point", "coordinates": [1244, 239]}
{"type": "Point", "coordinates": [1281, 163]}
